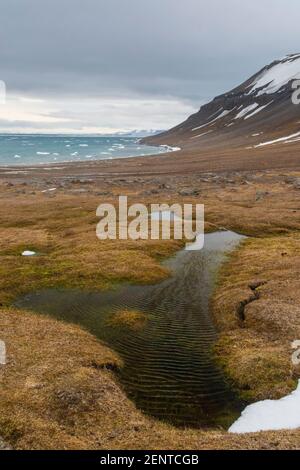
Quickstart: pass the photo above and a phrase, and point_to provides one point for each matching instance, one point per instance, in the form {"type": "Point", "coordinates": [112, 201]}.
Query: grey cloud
{"type": "Point", "coordinates": [189, 50]}
{"type": "Point", "coordinates": [56, 44]}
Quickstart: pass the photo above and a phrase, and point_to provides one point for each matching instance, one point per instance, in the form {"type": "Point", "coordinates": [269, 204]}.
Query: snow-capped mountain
{"type": "Point", "coordinates": [140, 133]}
{"type": "Point", "coordinates": [258, 113]}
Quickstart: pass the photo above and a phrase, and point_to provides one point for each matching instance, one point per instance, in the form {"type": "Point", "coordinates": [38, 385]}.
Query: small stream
{"type": "Point", "coordinates": [169, 369]}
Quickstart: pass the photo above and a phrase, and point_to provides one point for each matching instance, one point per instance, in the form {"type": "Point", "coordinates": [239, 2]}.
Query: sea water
{"type": "Point", "coordinates": [43, 149]}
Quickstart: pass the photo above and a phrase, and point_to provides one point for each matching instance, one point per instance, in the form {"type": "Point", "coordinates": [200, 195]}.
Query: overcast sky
{"type": "Point", "coordinates": [108, 65]}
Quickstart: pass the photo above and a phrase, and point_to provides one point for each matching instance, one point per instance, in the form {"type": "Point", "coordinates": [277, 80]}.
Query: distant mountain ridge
{"type": "Point", "coordinates": [140, 133]}
{"type": "Point", "coordinates": [259, 112]}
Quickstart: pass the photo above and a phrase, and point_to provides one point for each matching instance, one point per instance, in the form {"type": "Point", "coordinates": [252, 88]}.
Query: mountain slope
{"type": "Point", "coordinates": [252, 115]}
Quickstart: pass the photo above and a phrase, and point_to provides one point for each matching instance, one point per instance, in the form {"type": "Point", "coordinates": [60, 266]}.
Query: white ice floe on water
{"type": "Point", "coordinates": [270, 415]}
{"type": "Point", "coordinates": [271, 80]}
{"type": "Point", "coordinates": [43, 153]}
{"type": "Point", "coordinates": [280, 139]}
{"type": "Point", "coordinates": [119, 146]}
{"type": "Point", "coordinates": [28, 253]}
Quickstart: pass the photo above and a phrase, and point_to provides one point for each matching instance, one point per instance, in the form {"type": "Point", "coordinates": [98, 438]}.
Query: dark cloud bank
{"type": "Point", "coordinates": [159, 49]}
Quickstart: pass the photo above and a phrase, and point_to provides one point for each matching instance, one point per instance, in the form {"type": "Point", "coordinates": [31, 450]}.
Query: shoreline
{"type": "Point", "coordinates": [162, 149]}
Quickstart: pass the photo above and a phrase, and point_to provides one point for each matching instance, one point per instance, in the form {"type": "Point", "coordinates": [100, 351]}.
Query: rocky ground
{"type": "Point", "coordinates": [55, 395]}
{"type": "Point", "coordinates": [3, 445]}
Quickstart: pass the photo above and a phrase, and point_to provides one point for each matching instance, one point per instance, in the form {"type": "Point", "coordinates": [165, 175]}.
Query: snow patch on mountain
{"type": "Point", "coordinates": [201, 135]}
{"type": "Point", "coordinates": [246, 110]}
{"type": "Point", "coordinates": [263, 103]}
{"type": "Point", "coordinates": [280, 139]}
{"type": "Point", "coordinates": [258, 110]}
{"type": "Point", "coordinates": [271, 80]}
{"type": "Point", "coordinates": [223, 114]}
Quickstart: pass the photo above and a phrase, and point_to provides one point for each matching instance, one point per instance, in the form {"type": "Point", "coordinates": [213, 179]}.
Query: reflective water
{"type": "Point", "coordinates": [169, 369]}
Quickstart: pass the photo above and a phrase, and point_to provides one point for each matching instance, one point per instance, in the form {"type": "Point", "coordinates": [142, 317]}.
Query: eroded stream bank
{"type": "Point", "coordinates": [164, 333]}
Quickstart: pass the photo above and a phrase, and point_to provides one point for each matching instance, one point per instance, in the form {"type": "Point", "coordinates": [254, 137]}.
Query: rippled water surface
{"type": "Point", "coordinates": [44, 149]}
{"type": "Point", "coordinates": [169, 369]}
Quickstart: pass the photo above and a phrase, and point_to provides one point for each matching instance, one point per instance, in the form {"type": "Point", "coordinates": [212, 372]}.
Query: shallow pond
{"type": "Point", "coordinates": [165, 337]}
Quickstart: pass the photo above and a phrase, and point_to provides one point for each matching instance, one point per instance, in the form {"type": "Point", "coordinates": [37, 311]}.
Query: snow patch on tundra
{"type": "Point", "coordinates": [28, 253]}
{"type": "Point", "coordinates": [270, 415]}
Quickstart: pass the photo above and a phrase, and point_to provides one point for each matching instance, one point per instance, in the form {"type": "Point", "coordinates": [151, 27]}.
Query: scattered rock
{"type": "Point", "coordinates": [289, 179]}
{"type": "Point", "coordinates": [79, 191]}
{"type": "Point", "coordinates": [296, 184]}
{"type": "Point", "coordinates": [103, 193]}
{"type": "Point", "coordinates": [82, 181]}
{"type": "Point", "coordinates": [108, 366]}
{"type": "Point", "coordinates": [261, 195]}
{"type": "Point", "coordinates": [204, 180]}
{"type": "Point", "coordinates": [3, 445]}
{"type": "Point", "coordinates": [189, 192]}
{"type": "Point", "coordinates": [64, 184]}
